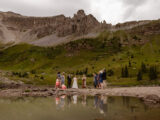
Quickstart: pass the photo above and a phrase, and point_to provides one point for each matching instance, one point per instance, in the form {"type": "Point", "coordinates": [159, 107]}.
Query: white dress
{"type": "Point", "coordinates": [75, 85]}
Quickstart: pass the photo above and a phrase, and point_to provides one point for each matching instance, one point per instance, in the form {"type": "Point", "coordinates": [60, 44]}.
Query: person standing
{"type": "Point", "coordinates": [63, 79]}
{"type": "Point", "coordinates": [101, 79]}
{"type": "Point", "coordinates": [75, 85]}
{"type": "Point", "coordinates": [104, 76]}
{"type": "Point", "coordinates": [84, 78]}
{"type": "Point", "coordinates": [69, 81]}
{"type": "Point", "coordinates": [95, 80]}
{"type": "Point", "coordinates": [59, 75]}
{"type": "Point", "coordinates": [57, 83]}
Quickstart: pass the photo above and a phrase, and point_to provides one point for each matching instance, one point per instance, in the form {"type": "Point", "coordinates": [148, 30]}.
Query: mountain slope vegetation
{"type": "Point", "coordinates": [115, 51]}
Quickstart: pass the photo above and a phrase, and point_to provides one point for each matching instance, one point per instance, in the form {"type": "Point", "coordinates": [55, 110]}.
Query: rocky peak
{"type": "Point", "coordinates": [81, 13]}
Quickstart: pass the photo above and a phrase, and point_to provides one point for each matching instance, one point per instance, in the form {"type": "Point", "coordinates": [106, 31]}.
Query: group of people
{"type": "Point", "coordinates": [99, 80]}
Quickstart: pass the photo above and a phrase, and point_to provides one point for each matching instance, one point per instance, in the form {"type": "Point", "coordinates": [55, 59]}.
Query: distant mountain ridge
{"type": "Point", "coordinates": [51, 31]}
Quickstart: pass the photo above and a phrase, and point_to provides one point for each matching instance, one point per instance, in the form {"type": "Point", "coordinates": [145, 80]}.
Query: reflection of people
{"type": "Point", "coordinates": [101, 105]}
{"type": "Point", "coordinates": [99, 102]}
{"type": "Point", "coordinates": [75, 85]}
{"type": "Point", "coordinates": [62, 101]}
{"type": "Point", "coordinates": [84, 100]}
{"type": "Point", "coordinates": [74, 99]}
{"type": "Point", "coordinates": [96, 101]}
{"type": "Point", "coordinates": [69, 100]}
{"type": "Point", "coordinates": [57, 100]}
{"type": "Point", "coordinates": [84, 78]}
{"type": "Point", "coordinates": [69, 81]}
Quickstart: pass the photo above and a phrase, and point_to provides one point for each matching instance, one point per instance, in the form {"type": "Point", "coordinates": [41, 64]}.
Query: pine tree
{"type": "Point", "coordinates": [126, 72]}
{"type": "Point", "coordinates": [130, 65]}
{"type": "Point", "coordinates": [139, 75]}
{"type": "Point", "coordinates": [143, 68]}
{"type": "Point", "coordinates": [122, 72]}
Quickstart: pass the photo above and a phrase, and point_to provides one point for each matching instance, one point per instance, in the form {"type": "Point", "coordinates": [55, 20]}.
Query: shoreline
{"type": "Point", "coordinates": [148, 94]}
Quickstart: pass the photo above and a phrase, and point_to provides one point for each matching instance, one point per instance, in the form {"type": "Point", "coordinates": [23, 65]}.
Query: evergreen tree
{"type": "Point", "coordinates": [122, 72]}
{"type": "Point", "coordinates": [126, 72]}
{"type": "Point", "coordinates": [139, 75]}
{"type": "Point", "coordinates": [143, 67]}
{"type": "Point", "coordinates": [130, 65]}
{"type": "Point", "coordinates": [86, 71]}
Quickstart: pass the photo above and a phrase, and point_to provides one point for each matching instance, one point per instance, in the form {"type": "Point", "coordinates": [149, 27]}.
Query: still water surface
{"type": "Point", "coordinates": [77, 108]}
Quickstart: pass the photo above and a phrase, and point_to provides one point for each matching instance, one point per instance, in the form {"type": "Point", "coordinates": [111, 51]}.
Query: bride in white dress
{"type": "Point", "coordinates": [75, 85]}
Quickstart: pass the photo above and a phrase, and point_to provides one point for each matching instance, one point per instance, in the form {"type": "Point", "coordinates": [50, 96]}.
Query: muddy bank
{"type": "Point", "coordinates": [148, 94]}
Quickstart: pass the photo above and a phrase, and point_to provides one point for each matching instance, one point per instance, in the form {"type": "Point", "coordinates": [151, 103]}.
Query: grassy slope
{"type": "Point", "coordinates": [94, 54]}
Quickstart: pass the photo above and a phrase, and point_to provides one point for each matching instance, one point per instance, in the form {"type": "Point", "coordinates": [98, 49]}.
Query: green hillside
{"type": "Point", "coordinates": [39, 65]}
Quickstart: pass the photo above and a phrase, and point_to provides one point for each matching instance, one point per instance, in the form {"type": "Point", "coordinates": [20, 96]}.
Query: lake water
{"type": "Point", "coordinates": [77, 108]}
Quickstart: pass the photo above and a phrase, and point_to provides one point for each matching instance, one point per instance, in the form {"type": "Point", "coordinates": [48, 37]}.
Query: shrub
{"type": "Point", "coordinates": [33, 71]}
{"type": "Point", "coordinates": [110, 72]}
{"type": "Point", "coordinates": [42, 78]}
{"type": "Point", "coordinates": [132, 56]}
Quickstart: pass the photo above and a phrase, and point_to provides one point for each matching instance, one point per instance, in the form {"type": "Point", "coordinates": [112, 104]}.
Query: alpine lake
{"type": "Point", "coordinates": [75, 107]}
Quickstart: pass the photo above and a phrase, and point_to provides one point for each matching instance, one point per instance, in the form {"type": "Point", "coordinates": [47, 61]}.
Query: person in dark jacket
{"type": "Point", "coordinates": [69, 81]}
{"type": "Point", "coordinates": [95, 80]}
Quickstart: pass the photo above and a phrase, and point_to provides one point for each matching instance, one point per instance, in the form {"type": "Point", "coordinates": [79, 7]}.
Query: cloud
{"type": "Point", "coordinates": [141, 9]}
{"type": "Point", "coordinates": [113, 11]}
{"type": "Point", "coordinates": [44, 7]}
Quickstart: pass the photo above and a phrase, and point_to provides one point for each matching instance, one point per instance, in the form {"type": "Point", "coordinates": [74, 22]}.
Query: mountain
{"type": "Point", "coordinates": [51, 31]}
{"type": "Point", "coordinates": [89, 46]}
{"type": "Point", "coordinates": [47, 31]}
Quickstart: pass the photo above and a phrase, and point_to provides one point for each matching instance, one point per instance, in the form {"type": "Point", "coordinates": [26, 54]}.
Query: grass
{"type": "Point", "coordinates": [39, 65]}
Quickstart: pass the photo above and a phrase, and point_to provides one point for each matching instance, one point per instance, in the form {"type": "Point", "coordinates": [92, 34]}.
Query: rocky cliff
{"type": "Point", "coordinates": [46, 31]}
{"type": "Point", "coordinates": [50, 31]}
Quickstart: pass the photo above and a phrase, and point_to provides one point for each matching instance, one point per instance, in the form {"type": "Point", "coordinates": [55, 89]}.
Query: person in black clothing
{"type": "Point", "coordinates": [104, 77]}
{"type": "Point", "coordinates": [69, 81]}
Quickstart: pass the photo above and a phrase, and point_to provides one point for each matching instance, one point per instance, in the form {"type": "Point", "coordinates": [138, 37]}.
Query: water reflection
{"type": "Point", "coordinates": [100, 102]}
{"type": "Point", "coordinates": [76, 107]}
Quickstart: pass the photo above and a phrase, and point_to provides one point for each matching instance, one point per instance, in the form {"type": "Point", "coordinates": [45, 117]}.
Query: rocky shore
{"type": "Point", "coordinates": [148, 94]}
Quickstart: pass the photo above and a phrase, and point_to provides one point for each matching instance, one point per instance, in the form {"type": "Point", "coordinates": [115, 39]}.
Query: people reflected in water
{"type": "Point", "coordinates": [75, 99]}
{"type": "Point", "coordinates": [69, 100]}
{"type": "Point", "coordinates": [100, 102]}
{"type": "Point", "coordinates": [84, 100]}
{"type": "Point", "coordinates": [60, 102]}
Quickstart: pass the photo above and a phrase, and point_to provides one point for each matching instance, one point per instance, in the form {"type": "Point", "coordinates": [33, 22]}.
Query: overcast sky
{"type": "Point", "coordinates": [113, 11]}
